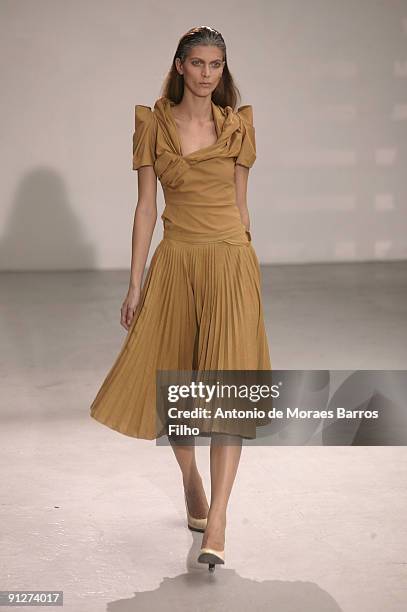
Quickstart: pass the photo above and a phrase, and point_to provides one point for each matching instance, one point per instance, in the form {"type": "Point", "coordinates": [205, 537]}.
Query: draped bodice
{"type": "Point", "coordinates": [199, 188]}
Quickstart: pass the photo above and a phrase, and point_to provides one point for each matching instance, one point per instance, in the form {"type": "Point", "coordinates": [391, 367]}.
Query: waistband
{"type": "Point", "coordinates": [240, 237]}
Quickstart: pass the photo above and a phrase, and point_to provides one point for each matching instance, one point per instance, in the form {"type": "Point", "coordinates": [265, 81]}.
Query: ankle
{"type": "Point", "coordinates": [191, 481]}
{"type": "Point", "coordinates": [214, 536]}
{"type": "Point", "coordinates": [217, 515]}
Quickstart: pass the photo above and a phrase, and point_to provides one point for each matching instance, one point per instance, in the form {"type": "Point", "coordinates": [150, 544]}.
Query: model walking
{"type": "Point", "coordinates": [200, 306]}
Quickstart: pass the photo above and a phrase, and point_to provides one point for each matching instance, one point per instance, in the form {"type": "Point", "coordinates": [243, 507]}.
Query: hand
{"type": "Point", "coordinates": [129, 306]}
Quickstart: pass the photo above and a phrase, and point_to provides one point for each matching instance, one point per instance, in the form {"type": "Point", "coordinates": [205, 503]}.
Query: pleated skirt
{"type": "Point", "coordinates": [200, 308]}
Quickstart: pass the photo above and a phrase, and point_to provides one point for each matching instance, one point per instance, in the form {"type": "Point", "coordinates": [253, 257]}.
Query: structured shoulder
{"type": "Point", "coordinates": [246, 113]}
{"type": "Point", "coordinates": [144, 137]}
{"type": "Point", "coordinates": [247, 155]}
{"type": "Point", "coordinates": [143, 114]}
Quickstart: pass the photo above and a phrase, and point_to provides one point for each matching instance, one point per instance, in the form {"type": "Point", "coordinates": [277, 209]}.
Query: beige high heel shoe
{"type": "Point", "coordinates": [195, 524]}
{"type": "Point", "coordinates": [212, 557]}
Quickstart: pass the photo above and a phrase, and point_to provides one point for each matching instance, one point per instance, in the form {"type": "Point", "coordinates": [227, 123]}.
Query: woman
{"type": "Point", "coordinates": [200, 306]}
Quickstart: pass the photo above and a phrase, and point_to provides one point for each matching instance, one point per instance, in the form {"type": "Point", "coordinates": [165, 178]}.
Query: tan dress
{"type": "Point", "coordinates": [200, 306]}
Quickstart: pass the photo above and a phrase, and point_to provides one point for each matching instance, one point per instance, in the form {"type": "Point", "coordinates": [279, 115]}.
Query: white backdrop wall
{"type": "Point", "coordinates": [328, 84]}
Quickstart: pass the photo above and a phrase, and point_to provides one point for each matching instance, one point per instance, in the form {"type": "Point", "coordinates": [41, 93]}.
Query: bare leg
{"type": "Point", "coordinates": [224, 459]}
{"type": "Point", "coordinates": [193, 486]}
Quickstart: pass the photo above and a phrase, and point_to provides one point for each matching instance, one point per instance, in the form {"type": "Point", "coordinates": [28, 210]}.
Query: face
{"type": "Point", "coordinates": [202, 69]}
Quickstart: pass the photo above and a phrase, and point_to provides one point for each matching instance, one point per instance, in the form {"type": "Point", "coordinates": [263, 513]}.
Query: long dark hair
{"type": "Point", "coordinates": [226, 93]}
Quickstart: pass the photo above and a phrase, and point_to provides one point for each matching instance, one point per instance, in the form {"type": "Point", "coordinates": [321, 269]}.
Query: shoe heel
{"type": "Point", "coordinates": [212, 557]}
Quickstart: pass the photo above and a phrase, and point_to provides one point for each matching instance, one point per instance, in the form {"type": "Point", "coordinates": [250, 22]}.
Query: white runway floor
{"type": "Point", "coordinates": [101, 516]}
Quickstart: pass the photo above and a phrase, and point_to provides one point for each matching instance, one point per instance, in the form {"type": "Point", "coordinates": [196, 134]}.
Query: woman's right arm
{"type": "Point", "coordinates": [145, 218]}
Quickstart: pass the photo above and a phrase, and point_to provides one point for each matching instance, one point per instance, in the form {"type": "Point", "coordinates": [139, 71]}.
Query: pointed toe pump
{"type": "Point", "coordinates": [212, 557]}
{"type": "Point", "coordinates": [195, 524]}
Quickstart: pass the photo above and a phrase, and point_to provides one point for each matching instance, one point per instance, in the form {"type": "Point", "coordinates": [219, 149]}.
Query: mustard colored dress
{"type": "Point", "coordinates": [200, 306]}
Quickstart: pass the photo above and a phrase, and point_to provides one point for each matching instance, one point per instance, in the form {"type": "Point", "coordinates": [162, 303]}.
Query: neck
{"type": "Point", "coordinates": [195, 108]}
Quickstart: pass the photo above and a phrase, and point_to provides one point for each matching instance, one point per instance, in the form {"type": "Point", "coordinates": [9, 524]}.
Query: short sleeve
{"type": "Point", "coordinates": [144, 137]}
{"type": "Point", "coordinates": [247, 155]}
